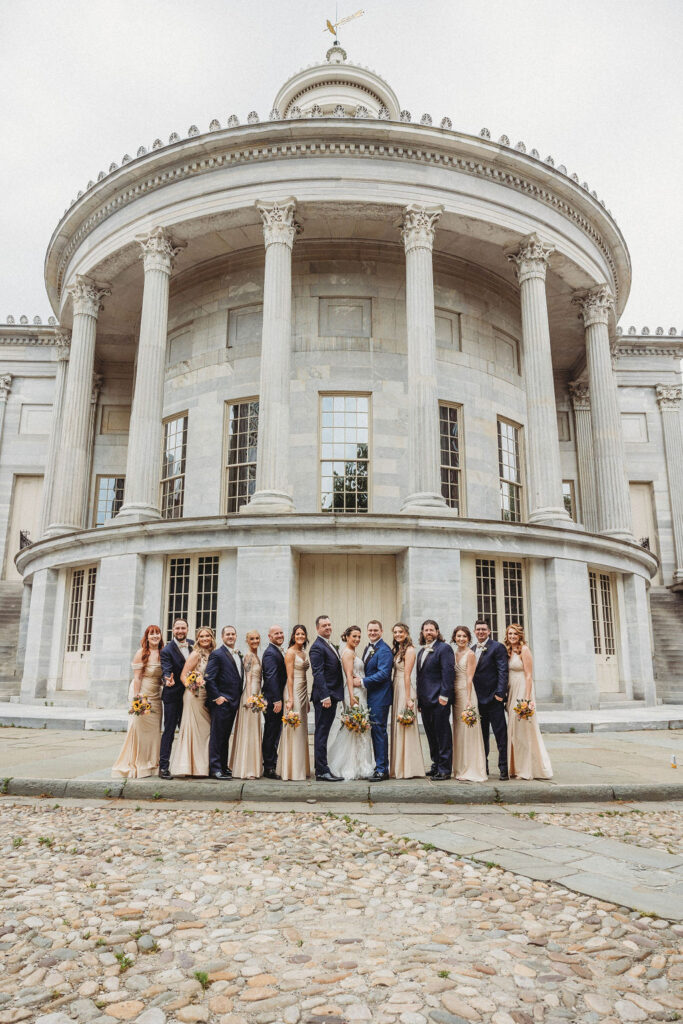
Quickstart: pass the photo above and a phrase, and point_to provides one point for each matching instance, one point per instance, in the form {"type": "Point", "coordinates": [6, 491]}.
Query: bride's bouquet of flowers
{"type": "Point", "coordinates": [194, 682]}
{"type": "Point", "coordinates": [470, 716]}
{"type": "Point", "coordinates": [140, 706]}
{"type": "Point", "coordinates": [292, 719]}
{"type": "Point", "coordinates": [355, 718]}
{"type": "Point", "coordinates": [524, 709]}
{"type": "Point", "coordinates": [256, 703]}
{"type": "Point", "coordinates": [406, 717]}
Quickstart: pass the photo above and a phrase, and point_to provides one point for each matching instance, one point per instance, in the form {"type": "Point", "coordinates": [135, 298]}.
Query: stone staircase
{"type": "Point", "coordinates": [10, 612]}
{"type": "Point", "coordinates": [667, 628]}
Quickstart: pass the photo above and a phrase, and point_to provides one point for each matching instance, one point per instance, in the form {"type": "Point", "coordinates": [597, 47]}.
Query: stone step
{"type": "Point", "coordinates": [667, 628]}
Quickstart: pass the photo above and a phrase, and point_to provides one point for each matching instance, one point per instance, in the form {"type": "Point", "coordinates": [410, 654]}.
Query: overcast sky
{"type": "Point", "coordinates": [595, 83]}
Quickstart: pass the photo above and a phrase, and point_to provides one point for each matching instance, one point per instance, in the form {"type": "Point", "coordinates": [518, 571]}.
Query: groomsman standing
{"type": "Point", "coordinates": [491, 686]}
{"type": "Point", "coordinates": [273, 684]}
{"type": "Point", "coordinates": [435, 694]}
{"type": "Point", "coordinates": [379, 662]}
{"type": "Point", "coordinates": [224, 681]}
{"type": "Point", "coordinates": [173, 657]}
{"type": "Point", "coordinates": [328, 690]}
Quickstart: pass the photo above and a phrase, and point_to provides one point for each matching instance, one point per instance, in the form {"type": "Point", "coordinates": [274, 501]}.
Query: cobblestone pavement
{"type": "Point", "coordinates": [653, 830]}
{"type": "Point", "coordinates": [230, 917]}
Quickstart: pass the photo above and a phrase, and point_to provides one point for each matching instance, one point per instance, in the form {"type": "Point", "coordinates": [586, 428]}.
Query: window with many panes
{"type": "Point", "coordinates": [173, 467]}
{"type": "Point", "coordinates": [81, 605]}
{"type": "Point", "coordinates": [509, 472]}
{"type": "Point", "coordinates": [241, 442]}
{"type": "Point", "coordinates": [569, 498]}
{"type": "Point", "coordinates": [108, 498]}
{"type": "Point", "coordinates": [344, 452]}
{"type": "Point", "coordinates": [192, 592]}
{"type": "Point", "coordinates": [451, 482]}
{"type": "Point", "coordinates": [602, 613]}
{"type": "Point", "coordinates": [500, 593]}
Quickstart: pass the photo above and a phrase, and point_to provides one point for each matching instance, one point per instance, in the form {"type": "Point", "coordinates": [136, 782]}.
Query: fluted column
{"type": "Point", "coordinates": [542, 444]}
{"type": "Point", "coordinates": [424, 444]}
{"type": "Point", "coordinates": [71, 472]}
{"type": "Point", "coordinates": [669, 399]}
{"type": "Point", "coordinates": [143, 461]}
{"type": "Point", "coordinates": [584, 454]}
{"type": "Point", "coordinates": [271, 492]}
{"type": "Point", "coordinates": [614, 506]}
{"type": "Point", "coordinates": [5, 388]}
{"type": "Point", "coordinates": [63, 350]}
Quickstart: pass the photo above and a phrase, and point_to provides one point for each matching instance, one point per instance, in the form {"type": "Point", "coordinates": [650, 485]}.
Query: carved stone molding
{"type": "Point", "coordinates": [674, 352]}
{"type": "Point", "coordinates": [595, 305]}
{"type": "Point", "coordinates": [158, 251]}
{"type": "Point", "coordinates": [5, 386]}
{"type": "Point", "coordinates": [580, 393]}
{"type": "Point", "coordinates": [418, 226]}
{"type": "Point", "coordinates": [97, 384]}
{"type": "Point", "coordinates": [280, 226]}
{"type": "Point", "coordinates": [669, 397]}
{"type": "Point", "coordinates": [63, 343]}
{"type": "Point", "coordinates": [531, 258]}
{"type": "Point", "coordinates": [87, 296]}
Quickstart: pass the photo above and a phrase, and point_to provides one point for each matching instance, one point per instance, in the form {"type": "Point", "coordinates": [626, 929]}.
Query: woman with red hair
{"type": "Point", "coordinates": [139, 755]}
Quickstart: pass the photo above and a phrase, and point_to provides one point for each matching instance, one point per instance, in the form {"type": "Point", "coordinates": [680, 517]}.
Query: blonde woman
{"type": "Point", "coordinates": [191, 749]}
{"type": "Point", "coordinates": [245, 758]}
{"type": "Point", "coordinates": [527, 756]}
{"type": "Point", "coordinates": [406, 761]}
{"type": "Point", "coordinates": [469, 759]}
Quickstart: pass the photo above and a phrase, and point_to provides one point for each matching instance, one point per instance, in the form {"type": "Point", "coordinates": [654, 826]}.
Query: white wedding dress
{"type": "Point", "coordinates": [350, 754]}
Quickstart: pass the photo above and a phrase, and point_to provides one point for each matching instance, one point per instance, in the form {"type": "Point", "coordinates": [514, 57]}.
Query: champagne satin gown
{"type": "Point", "coordinates": [469, 759]}
{"type": "Point", "coordinates": [190, 754]}
{"type": "Point", "coordinates": [293, 760]}
{"type": "Point", "coordinates": [246, 759]}
{"type": "Point", "coordinates": [139, 757]}
{"type": "Point", "coordinates": [527, 756]}
{"type": "Point", "coordinates": [406, 761]}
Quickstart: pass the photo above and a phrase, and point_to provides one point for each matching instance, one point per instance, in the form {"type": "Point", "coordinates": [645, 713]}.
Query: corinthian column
{"type": "Point", "coordinates": [669, 399]}
{"type": "Point", "coordinates": [424, 443]}
{"type": "Point", "coordinates": [143, 461]}
{"type": "Point", "coordinates": [614, 506]}
{"type": "Point", "coordinates": [63, 349]}
{"type": "Point", "coordinates": [71, 471]}
{"type": "Point", "coordinates": [5, 388]}
{"type": "Point", "coordinates": [584, 454]}
{"type": "Point", "coordinates": [271, 492]}
{"type": "Point", "coordinates": [542, 442]}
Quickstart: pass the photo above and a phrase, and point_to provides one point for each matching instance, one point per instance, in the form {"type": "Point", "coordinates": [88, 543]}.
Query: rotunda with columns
{"type": "Point", "coordinates": [342, 361]}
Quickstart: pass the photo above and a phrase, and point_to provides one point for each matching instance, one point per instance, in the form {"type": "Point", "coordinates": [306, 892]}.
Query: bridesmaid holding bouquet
{"type": "Point", "coordinates": [139, 757]}
{"type": "Point", "coordinates": [293, 761]}
{"type": "Point", "coordinates": [469, 760]}
{"type": "Point", "coordinates": [527, 756]}
{"type": "Point", "coordinates": [406, 760]}
{"type": "Point", "coordinates": [245, 757]}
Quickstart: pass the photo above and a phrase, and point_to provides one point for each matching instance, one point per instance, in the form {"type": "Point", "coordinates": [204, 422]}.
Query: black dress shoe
{"type": "Point", "coordinates": [431, 773]}
{"type": "Point", "coordinates": [378, 776]}
{"type": "Point", "coordinates": [164, 773]}
{"type": "Point", "coordinates": [227, 774]}
{"type": "Point", "coordinates": [504, 777]}
{"type": "Point", "coordinates": [329, 777]}
{"type": "Point", "coordinates": [271, 774]}
{"type": "Point", "coordinates": [440, 776]}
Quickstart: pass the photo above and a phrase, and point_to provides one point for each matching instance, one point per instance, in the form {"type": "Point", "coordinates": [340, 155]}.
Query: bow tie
{"type": "Point", "coordinates": [481, 647]}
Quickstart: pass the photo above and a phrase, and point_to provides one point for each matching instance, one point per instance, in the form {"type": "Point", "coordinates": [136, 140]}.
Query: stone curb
{"type": "Point", "coordinates": [412, 791]}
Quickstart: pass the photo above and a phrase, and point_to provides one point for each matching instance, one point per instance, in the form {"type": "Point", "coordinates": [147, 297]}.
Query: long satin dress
{"type": "Point", "coordinates": [139, 755]}
{"type": "Point", "coordinates": [469, 759]}
{"type": "Point", "coordinates": [527, 756]}
{"type": "Point", "coordinates": [293, 760]}
{"type": "Point", "coordinates": [246, 759]}
{"type": "Point", "coordinates": [191, 749]}
{"type": "Point", "coordinates": [406, 761]}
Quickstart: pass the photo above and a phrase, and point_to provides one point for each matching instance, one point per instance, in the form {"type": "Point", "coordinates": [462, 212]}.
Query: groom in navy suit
{"type": "Point", "coordinates": [173, 657]}
{"type": "Point", "coordinates": [379, 662]}
{"type": "Point", "coordinates": [491, 686]}
{"type": "Point", "coordinates": [435, 694]}
{"type": "Point", "coordinates": [272, 687]}
{"type": "Point", "coordinates": [224, 680]}
{"type": "Point", "coordinates": [328, 690]}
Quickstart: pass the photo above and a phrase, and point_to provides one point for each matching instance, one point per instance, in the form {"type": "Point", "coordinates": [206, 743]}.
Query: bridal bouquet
{"type": "Point", "coordinates": [407, 716]}
{"type": "Point", "coordinates": [140, 706]}
{"type": "Point", "coordinates": [256, 703]}
{"type": "Point", "coordinates": [470, 716]}
{"type": "Point", "coordinates": [355, 718]}
{"type": "Point", "coordinates": [194, 682]}
{"type": "Point", "coordinates": [292, 719]}
{"type": "Point", "coordinates": [524, 709]}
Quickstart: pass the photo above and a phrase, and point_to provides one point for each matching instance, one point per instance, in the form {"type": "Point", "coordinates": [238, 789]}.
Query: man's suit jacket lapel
{"type": "Point", "coordinates": [422, 657]}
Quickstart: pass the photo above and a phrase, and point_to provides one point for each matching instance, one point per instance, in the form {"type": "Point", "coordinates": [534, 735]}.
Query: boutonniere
{"type": "Point", "coordinates": [370, 651]}
{"type": "Point", "coordinates": [239, 654]}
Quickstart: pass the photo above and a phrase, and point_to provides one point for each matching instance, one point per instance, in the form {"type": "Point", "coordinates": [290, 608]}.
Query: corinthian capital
{"type": "Point", "coordinates": [5, 386]}
{"type": "Point", "coordinates": [63, 346]}
{"type": "Point", "coordinates": [595, 305]}
{"type": "Point", "coordinates": [87, 296]}
{"type": "Point", "coordinates": [279, 222]}
{"type": "Point", "coordinates": [97, 383]}
{"type": "Point", "coordinates": [158, 251]}
{"type": "Point", "coordinates": [530, 258]}
{"type": "Point", "coordinates": [580, 395]}
{"type": "Point", "coordinates": [669, 397]}
{"type": "Point", "coordinates": [418, 226]}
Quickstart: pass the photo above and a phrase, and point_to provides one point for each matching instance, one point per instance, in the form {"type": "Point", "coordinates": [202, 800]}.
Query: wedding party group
{"type": "Point", "coordinates": [190, 699]}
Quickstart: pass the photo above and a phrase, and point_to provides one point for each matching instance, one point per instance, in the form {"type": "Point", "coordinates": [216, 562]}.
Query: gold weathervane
{"type": "Point", "coordinates": [332, 28]}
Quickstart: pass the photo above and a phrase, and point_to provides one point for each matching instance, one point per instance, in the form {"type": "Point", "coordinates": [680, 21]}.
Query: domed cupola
{"type": "Point", "coordinates": [323, 90]}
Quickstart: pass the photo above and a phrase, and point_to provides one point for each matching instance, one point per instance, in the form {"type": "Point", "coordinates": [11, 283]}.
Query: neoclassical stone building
{"type": "Point", "coordinates": [340, 361]}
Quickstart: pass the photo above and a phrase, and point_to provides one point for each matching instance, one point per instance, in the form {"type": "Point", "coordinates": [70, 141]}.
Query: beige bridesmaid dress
{"type": "Point", "coordinates": [527, 756]}
{"type": "Point", "coordinates": [469, 760]}
{"type": "Point", "coordinates": [406, 761]}
{"type": "Point", "coordinates": [246, 759]}
{"type": "Point", "coordinates": [190, 754]}
{"type": "Point", "coordinates": [139, 757]}
{"type": "Point", "coordinates": [293, 758]}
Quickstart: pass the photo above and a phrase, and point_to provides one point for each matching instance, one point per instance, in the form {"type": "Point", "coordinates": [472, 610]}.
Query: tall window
{"type": "Point", "coordinates": [602, 613]}
{"type": "Point", "coordinates": [449, 425]}
{"type": "Point", "coordinates": [509, 472]}
{"type": "Point", "coordinates": [344, 453]}
{"type": "Point", "coordinates": [500, 593]}
{"type": "Point", "coordinates": [569, 498]}
{"type": "Point", "coordinates": [81, 604]}
{"type": "Point", "coordinates": [108, 498]}
{"type": "Point", "coordinates": [242, 437]}
{"type": "Point", "coordinates": [173, 467]}
{"type": "Point", "coordinates": [192, 592]}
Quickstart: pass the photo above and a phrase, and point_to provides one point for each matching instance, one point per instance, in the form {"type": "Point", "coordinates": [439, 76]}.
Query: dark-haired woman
{"type": "Point", "coordinates": [406, 760]}
{"type": "Point", "coordinates": [350, 754]}
{"type": "Point", "coordinates": [139, 755]}
{"type": "Point", "coordinates": [469, 759]}
{"type": "Point", "coordinates": [293, 759]}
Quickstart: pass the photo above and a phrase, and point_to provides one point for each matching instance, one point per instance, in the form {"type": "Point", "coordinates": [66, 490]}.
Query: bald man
{"type": "Point", "coordinates": [273, 685]}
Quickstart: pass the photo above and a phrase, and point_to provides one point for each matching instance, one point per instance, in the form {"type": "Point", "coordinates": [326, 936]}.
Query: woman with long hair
{"type": "Point", "coordinates": [469, 759]}
{"type": "Point", "coordinates": [350, 754]}
{"type": "Point", "coordinates": [191, 749]}
{"type": "Point", "coordinates": [406, 761]}
{"type": "Point", "coordinates": [245, 758]}
{"type": "Point", "coordinates": [293, 759]}
{"type": "Point", "coordinates": [139, 755]}
{"type": "Point", "coordinates": [527, 756]}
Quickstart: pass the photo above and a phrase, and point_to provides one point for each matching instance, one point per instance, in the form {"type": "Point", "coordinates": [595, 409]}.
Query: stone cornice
{"type": "Point", "coordinates": [670, 349]}
{"type": "Point", "coordinates": [14, 336]}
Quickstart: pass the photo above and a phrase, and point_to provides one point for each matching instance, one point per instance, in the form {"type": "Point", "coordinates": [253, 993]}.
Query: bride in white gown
{"type": "Point", "coordinates": [350, 754]}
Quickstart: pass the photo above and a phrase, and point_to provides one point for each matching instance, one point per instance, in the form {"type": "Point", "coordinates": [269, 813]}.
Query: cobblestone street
{"type": "Point", "coordinates": [159, 915]}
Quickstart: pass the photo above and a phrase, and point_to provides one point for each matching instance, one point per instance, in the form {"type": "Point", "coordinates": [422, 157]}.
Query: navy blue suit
{"type": "Point", "coordinates": [379, 664]}
{"type": "Point", "coordinates": [172, 664]}
{"type": "Point", "coordinates": [328, 681]}
{"type": "Point", "coordinates": [274, 680]}
{"type": "Point", "coordinates": [222, 678]}
{"type": "Point", "coordinates": [491, 681]}
{"type": "Point", "coordinates": [436, 678]}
